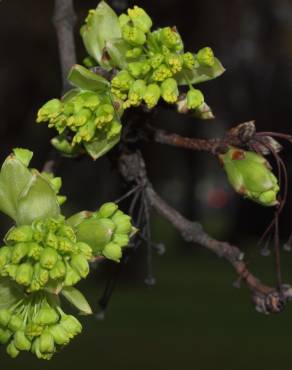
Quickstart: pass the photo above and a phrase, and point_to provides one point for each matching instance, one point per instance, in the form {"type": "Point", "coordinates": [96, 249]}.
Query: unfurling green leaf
{"type": "Point", "coordinates": [200, 74]}
{"type": "Point", "coordinates": [101, 25]}
{"type": "Point", "coordinates": [81, 77]}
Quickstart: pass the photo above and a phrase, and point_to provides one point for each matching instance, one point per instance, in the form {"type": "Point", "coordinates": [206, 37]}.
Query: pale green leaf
{"type": "Point", "coordinates": [10, 293]}
{"type": "Point", "coordinates": [117, 49]}
{"type": "Point", "coordinates": [77, 299]}
{"type": "Point", "coordinates": [98, 148]}
{"type": "Point", "coordinates": [103, 25]}
{"type": "Point", "coordinates": [81, 77]}
{"type": "Point", "coordinates": [37, 201]}
{"type": "Point", "coordinates": [200, 74]}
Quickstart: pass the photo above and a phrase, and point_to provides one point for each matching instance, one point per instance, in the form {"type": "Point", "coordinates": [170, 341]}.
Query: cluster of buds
{"type": "Point", "coordinates": [84, 116]}
{"type": "Point", "coordinates": [43, 252]}
{"type": "Point", "coordinates": [250, 175]}
{"type": "Point", "coordinates": [37, 325]}
{"type": "Point", "coordinates": [154, 60]}
{"type": "Point", "coordinates": [107, 231]}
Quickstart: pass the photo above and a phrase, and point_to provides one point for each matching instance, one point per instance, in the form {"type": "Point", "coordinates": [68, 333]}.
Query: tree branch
{"type": "Point", "coordinates": [64, 20]}
{"type": "Point", "coordinates": [266, 299]}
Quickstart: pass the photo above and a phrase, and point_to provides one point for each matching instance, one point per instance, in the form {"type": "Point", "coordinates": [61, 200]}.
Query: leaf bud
{"type": "Point", "coordinates": [250, 175]}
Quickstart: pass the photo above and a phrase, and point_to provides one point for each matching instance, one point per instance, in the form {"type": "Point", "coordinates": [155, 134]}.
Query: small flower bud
{"type": "Point", "coordinates": [122, 81]}
{"type": "Point", "coordinates": [58, 271]}
{"type": "Point", "coordinates": [105, 113]}
{"type": "Point", "coordinates": [5, 316]}
{"type": "Point", "coordinates": [124, 19]}
{"type": "Point", "coordinates": [24, 274]}
{"type": "Point", "coordinates": [71, 325]}
{"type": "Point", "coordinates": [156, 60]}
{"type": "Point", "coordinates": [171, 38]}
{"type": "Point", "coordinates": [72, 277]}
{"type": "Point", "coordinates": [140, 19]}
{"type": "Point", "coordinates": [161, 73]}
{"type": "Point", "coordinates": [5, 256]}
{"type": "Point", "coordinates": [188, 60]}
{"type": "Point", "coordinates": [59, 334]}
{"type": "Point", "coordinates": [152, 95]}
{"type": "Point", "coordinates": [21, 341]}
{"type": "Point", "coordinates": [22, 233]}
{"type": "Point", "coordinates": [169, 90]}
{"type": "Point", "coordinates": [123, 223]}
{"type": "Point", "coordinates": [49, 110]}
{"type": "Point", "coordinates": [19, 251]}
{"type": "Point", "coordinates": [174, 62]}
{"type": "Point", "coordinates": [15, 323]}
{"type": "Point", "coordinates": [121, 239]}
{"type": "Point", "coordinates": [11, 270]}
{"type": "Point", "coordinates": [34, 251]}
{"type": "Point", "coordinates": [65, 245]}
{"type": "Point", "coordinates": [12, 351]}
{"type": "Point", "coordinates": [46, 344]}
{"type": "Point", "coordinates": [133, 35]}
{"type": "Point", "coordinates": [67, 232]}
{"type": "Point", "coordinates": [194, 98]}
{"type": "Point", "coordinates": [85, 249]}
{"type": "Point", "coordinates": [134, 53]}
{"type": "Point", "coordinates": [80, 265]}
{"type": "Point", "coordinates": [48, 258]}
{"type": "Point", "coordinates": [136, 94]}
{"type": "Point", "coordinates": [40, 274]}
{"type": "Point", "coordinates": [205, 57]}
{"type": "Point", "coordinates": [112, 251]}
{"type": "Point", "coordinates": [139, 69]}
{"type": "Point", "coordinates": [107, 210]}
{"type": "Point", "coordinates": [5, 335]}
{"type": "Point", "coordinates": [46, 316]}
{"type": "Point", "coordinates": [91, 100]}
{"type": "Point", "coordinates": [33, 330]}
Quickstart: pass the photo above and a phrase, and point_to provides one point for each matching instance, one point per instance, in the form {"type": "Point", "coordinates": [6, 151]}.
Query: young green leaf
{"type": "Point", "coordinates": [200, 74]}
{"type": "Point", "coordinates": [81, 77]}
{"type": "Point", "coordinates": [38, 200]}
{"type": "Point", "coordinates": [14, 177]}
{"type": "Point", "coordinates": [117, 49]}
{"type": "Point", "coordinates": [102, 24]}
{"type": "Point", "coordinates": [98, 148]}
{"type": "Point", "coordinates": [77, 299]}
{"type": "Point", "coordinates": [10, 293]}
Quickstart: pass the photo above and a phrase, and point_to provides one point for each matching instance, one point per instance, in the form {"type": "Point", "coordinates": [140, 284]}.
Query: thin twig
{"type": "Point", "coordinates": [64, 20]}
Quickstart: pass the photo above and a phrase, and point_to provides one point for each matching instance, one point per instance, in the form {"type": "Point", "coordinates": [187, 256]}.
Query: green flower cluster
{"type": "Point", "coordinates": [85, 116]}
{"type": "Point", "coordinates": [250, 175]}
{"type": "Point", "coordinates": [43, 252]}
{"type": "Point", "coordinates": [154, 60]}
{"type": "Point", "coordinates": [107, 231]}
{"type": "Point", "coordinates": [36, 324]}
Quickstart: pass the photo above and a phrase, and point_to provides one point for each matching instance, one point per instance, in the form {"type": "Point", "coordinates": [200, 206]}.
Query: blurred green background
{"type": "Point", "coordinates": [193, 317]}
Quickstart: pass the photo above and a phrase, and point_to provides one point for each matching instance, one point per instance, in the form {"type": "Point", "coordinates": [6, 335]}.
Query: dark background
{"type": "Point", "coordinates": [192, 317]}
